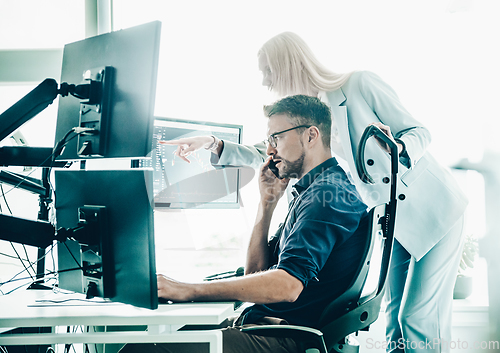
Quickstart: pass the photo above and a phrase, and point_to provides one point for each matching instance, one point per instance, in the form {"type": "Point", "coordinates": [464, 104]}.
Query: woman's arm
{"type": "Point", "coordinates": [385, 103]}
{"type": "Point", "coordinates": [226, 153]}
{"type": "Point", "coordinates": [241, 155]}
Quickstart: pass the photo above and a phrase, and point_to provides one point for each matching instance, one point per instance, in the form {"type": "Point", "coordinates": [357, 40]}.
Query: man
{"type": "Point", "coordinates": [312, 257]}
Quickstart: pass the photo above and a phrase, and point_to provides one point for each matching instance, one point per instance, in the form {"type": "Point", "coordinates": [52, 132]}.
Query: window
{"type": "Point", "coordinates": [34, 33]}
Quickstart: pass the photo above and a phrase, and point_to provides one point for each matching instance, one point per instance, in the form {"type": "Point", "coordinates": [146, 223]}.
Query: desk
{"type": "Point", "coordinates": [23, 309]}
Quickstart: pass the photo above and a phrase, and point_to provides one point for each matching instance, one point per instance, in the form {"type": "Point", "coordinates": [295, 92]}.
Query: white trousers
{"type": "Point", "coordinates": [419, 296]}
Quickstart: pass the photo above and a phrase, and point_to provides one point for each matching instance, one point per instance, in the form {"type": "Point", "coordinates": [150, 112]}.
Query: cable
{"type": "Point", "coordinates": [22, 262]}
{"type": "Point", "coordinates": [59, 146]}
{"type": "Point", "coordinates": [57, 149]}
{"type": "Point", "coordinates": [13, 290]}
{"type": "Point", "coordinates": [13, 279]}
{"type": "Point", "coordinates": [52, 301]}
{"type": "Point", "coordinates": [35, 262]}
{"type": "Point", "coordinates": [27, 175]}
{"type": "Point", "coordinates": [28, 258]}
{"type": "Point", "coordinates": [26, 253]}
{"type": "Point", "coordinates": [11, 256]}
{"type": "Point", "coordinates": [22, 181]}
{"type": "Point", "coordinates": [81, 268]}
{"type": "Point", "coordinates": [73, 256]}
{"type": "Point", "coordinates": [53, 260]}
{"type": "Point", "coordinates": [4, 198]}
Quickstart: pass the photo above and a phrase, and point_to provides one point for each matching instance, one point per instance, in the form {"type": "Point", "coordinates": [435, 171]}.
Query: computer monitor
{"type": "Point", "coordinates": [119, 69]}
{"type": "Point", "coordinates": [113, 253]}
{"type": "Point", "coordinates": [181, 185]}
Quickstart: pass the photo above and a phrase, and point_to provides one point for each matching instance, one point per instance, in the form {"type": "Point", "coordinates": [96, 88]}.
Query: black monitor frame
{"type": "Point", "coordinates": [124, 67]}
{"type": "Point", "coordinates": [113, 256]}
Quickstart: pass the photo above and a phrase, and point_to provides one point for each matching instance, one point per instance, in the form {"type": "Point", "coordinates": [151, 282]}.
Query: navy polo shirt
{"type": "Point", "coordinates": [320, 243]}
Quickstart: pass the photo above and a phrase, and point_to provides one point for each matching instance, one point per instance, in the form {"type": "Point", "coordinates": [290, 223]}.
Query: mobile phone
{"type": "Point", "coordinates": [274, 169]}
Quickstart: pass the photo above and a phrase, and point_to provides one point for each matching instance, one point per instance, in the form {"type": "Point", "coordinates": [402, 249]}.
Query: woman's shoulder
{"type": "Point", "coordinates": [364, 83]}
{"type": "Point", "coordinates": [363, 77]}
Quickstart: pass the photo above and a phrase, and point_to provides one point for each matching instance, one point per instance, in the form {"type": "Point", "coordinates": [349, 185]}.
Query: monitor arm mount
{"type": "Point", "coordinates": [94, 93]}
{"type": "Point", "coordinates": [88, 234]}
{"type": "Point", "coordinates": [91, 225]}
{"type": "Point", "coordinates": [90, 92]}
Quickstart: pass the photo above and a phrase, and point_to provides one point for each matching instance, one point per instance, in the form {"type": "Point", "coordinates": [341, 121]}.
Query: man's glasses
{"type": "Point", "coordinates": [272, 138]}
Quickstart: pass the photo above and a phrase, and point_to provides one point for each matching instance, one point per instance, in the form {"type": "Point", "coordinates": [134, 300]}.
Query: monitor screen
{"type": "Point", "coordinates": [178, 184]}
{"type": "Point", "coordinates": [115, 259]}
{"type": "Point", "coordinates": [124, 63]}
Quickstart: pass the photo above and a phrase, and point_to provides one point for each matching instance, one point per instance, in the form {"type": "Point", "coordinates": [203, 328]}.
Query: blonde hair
{"type": "Point", "coordinates": [295, 69]}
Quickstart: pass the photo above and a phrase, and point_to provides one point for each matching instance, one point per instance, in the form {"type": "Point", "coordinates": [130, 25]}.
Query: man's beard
{"type": "Point", "coordinates": [293, 169]}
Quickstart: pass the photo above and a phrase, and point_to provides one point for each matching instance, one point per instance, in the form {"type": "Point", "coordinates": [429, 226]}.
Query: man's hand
{"type": "Point", "coordinates": [186, 146]}
{"type": "Point", "coordinates": [271, 188]}
{"type": "Point", "coordinates": [172, 290]}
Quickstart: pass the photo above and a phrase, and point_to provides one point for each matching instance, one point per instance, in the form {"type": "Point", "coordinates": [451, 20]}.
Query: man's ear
{"type": "Point", "coordinates": [313, 135]}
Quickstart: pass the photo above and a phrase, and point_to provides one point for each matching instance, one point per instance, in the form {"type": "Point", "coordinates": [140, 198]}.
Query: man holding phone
{"type": "Point", "coordinates": [312, 257]}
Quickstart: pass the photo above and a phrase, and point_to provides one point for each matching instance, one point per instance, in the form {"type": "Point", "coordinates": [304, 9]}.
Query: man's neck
{"type": "Point", "coordinates": [314, 160]}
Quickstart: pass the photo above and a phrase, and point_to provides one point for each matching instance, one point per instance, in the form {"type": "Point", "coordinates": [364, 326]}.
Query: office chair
{"type": "Point", "coordinates": [351, 312]}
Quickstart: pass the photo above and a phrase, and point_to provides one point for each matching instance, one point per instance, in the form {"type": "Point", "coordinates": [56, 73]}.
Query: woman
{"type": "Point", "coordinates": [430, 212]}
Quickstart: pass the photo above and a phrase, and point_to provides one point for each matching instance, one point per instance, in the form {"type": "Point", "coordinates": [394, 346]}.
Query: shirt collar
{"type": "Point", "coordinates": [308, 179]}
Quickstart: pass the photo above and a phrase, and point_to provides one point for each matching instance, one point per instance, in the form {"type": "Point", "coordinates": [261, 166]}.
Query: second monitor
{"type": "Point", "coordinates": [198, 184]}
{"type": "Point", "coordinates": [111, 252]}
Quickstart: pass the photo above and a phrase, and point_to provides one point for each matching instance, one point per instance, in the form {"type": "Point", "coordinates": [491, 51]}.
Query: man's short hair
{"type": "Point", "coordinates": [304, 110]}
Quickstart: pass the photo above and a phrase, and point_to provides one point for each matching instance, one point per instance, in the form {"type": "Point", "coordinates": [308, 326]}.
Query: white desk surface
{"type": "Point", "coordinates": [34, 308]}
{"type": "Point", "coordinates": [26, 308]}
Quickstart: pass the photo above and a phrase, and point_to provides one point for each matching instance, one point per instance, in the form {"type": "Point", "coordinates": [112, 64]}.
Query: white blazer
{"type": "Point", "coordinates": [429, 199]}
